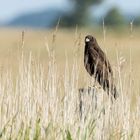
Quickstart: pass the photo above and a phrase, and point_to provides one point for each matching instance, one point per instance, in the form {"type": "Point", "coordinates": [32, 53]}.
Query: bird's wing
{"type": "Point", "coordinates": [100, 57]}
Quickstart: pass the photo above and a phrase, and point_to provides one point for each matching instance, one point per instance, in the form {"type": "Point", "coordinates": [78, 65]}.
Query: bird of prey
{"type": "Point", "coordinates": [97, 65]}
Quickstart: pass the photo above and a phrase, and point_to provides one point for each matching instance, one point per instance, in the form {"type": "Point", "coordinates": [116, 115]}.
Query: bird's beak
{"type": "Point", "coordinates": [87, 40]}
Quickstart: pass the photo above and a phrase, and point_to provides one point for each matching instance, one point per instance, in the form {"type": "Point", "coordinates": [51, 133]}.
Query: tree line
{"type": "Point", "coordinates": [80, 15]}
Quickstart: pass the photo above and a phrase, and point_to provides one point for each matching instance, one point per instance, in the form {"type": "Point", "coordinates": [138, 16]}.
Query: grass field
{"type": "Point", "coordinates": [41, 72]}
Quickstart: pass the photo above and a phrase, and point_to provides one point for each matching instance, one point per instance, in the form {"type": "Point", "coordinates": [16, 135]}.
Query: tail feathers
{"type": "Point", "coordinates": [110, 88]}
{"type": "Point", "coordinates": [114, 92]}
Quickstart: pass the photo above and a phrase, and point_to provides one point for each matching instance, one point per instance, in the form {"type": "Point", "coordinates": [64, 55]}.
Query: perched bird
{"type": "Point", "coordinates": [97, 65]}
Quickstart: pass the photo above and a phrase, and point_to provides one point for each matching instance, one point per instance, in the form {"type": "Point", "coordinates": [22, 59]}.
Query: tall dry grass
{"type": "Point", "coordinates": [42, 103]}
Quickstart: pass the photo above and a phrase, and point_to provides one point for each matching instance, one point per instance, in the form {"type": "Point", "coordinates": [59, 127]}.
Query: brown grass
{"type": "Point", "coordinates": [39, 86]}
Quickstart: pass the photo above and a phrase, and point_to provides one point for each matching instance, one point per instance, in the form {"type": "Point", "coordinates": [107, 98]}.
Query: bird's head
{"type": "Point", "coordinates": [89, 39]}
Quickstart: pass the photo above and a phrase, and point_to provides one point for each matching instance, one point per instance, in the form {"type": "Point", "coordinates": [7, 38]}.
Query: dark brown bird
{"type": "Point", "coordinates": [97, 65]}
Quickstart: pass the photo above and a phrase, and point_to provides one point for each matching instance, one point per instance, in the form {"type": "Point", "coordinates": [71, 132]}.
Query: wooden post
{"type": "Point", "coordinates": [90, 100]}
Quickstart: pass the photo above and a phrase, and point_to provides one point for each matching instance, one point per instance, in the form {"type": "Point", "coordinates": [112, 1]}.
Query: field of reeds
{"type": "Point", "coordinates": [41, 73]}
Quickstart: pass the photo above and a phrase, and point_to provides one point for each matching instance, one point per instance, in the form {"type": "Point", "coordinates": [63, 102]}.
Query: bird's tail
{"type": "Point", "coordinates": [114, 92]}
{"type": "Point", "coordinates": [111, 89]}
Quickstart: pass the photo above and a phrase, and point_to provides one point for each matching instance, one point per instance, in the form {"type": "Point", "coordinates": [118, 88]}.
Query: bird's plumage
{"type": "Point", "coordinates": [97, 65]}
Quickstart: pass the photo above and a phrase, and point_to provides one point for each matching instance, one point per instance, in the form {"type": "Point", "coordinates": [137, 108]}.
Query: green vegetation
{"type": "Point", "coordinates": [80, 13]}
{"type": "Point", "coordinates": [137, 21]}
{"type": "Point", "coordinates": [114, 18]}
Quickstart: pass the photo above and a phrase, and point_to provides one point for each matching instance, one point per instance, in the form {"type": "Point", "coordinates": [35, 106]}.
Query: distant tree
{"type": "Point", "coordinates": [114, 18]}
{"type": "Point", "coordinates": [137, 21]}
{"type": "Point", "coordinates": [79, 15]}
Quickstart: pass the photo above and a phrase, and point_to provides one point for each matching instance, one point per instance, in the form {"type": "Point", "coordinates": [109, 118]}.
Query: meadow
{"type": "Point", "coordinates": [41, 72]}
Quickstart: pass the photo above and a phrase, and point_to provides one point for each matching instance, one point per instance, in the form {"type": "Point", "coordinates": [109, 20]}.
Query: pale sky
{"type": "Point", "coordinates": [13, 8]}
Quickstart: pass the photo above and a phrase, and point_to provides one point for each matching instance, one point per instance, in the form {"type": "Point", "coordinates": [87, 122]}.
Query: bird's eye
{"type": "Point", "coordinates": [87, 40]}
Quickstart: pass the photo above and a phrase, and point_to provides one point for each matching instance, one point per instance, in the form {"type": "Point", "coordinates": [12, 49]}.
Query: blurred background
{"type": "Point", "coordinates": [46, 13]}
